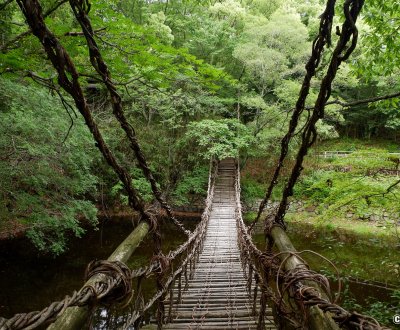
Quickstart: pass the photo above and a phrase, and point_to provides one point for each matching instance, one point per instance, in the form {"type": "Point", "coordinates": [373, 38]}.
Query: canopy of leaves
{"type": "Point", "coordinates": [220, 139]}
{"type": "Point", "coordinates": [184, 69]}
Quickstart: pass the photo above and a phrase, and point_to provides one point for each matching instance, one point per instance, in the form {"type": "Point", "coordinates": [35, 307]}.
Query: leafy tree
{"type": "Point", "coordinates": [192, 185]}
{"type": "Point", "coordinates": [381, 43]}
{"type": "Point", "coordinates": [271, 51]}
{"type": "Point", "coordinates": [219, 138]}
{"type": "Point", "coordinates": [46, 176]}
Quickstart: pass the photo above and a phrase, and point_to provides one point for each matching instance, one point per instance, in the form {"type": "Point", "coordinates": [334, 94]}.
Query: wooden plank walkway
{"type": "Point", "coordinates": [217, 296]}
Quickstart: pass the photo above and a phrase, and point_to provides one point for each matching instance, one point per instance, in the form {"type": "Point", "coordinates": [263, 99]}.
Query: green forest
{"type": "Point", "coordinates": [197, 80]}
{"type": "Point", "coordinates": [190, 75]}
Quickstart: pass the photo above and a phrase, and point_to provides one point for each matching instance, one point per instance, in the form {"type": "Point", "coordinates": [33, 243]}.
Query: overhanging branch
{"type": "Point", "coordinates": [11, 44]}
{"type": "Point", "coordinates": [365, 101]}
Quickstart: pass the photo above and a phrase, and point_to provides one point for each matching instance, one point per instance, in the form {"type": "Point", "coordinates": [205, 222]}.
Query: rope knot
{"type": "Point", "coordinates": [151, 219]}
{"type": "Point", "coordinates": [162, 261]}
{"type": "Point", "coordinates": [116, 285]}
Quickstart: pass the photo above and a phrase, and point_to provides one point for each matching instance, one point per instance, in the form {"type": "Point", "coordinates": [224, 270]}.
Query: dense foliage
{"type": "Point", "coordinates": [46, 176]}
{"type": "Point", "coordinates": [197, 78]}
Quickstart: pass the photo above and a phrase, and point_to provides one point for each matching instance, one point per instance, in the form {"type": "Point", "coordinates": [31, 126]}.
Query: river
{"type": "Point", "coordinates": [30, 280]}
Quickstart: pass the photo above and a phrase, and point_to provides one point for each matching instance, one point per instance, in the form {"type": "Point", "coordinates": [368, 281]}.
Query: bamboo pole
{"type": "Point", "coordinates": [74, 318]}
{"type": "Point", "coordinates": [318, 320]}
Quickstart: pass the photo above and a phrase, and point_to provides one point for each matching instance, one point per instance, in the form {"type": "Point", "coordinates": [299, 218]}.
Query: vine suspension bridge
{"type": "Point", "coordinates": [217, 279]}
{"type": "Point", "coordinates": [217, 296]}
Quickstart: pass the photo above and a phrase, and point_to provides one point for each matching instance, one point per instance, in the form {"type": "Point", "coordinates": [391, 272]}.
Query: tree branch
{"type": "Point", "coordinates": [49, 83]}
{"type": "Point", "coordinates": [368, 197]}
{"type": "Point", "coordinates": [360, 102]}
{"type": "Point", "coordinates": [10, 44]}
{"type": "Point", "coordinates": [365, 101]}
{"type": "Point", "coordinates": [80, 33]}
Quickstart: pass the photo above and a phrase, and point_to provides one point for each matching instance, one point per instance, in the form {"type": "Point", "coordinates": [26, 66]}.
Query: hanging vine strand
{"type": "Point", "coordinates": [101, 68]}
{"type": "Point", "coordinates": [344, 47]}
{"type": "Point", "coordinates": [323, 38]}
{"type": "Point", "coordinates": [68, 80]}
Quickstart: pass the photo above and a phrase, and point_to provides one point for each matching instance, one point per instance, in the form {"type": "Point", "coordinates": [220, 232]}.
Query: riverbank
{"type": "Point", "coordinates": [360, 250]}
{"type": "Point", "coordinates": [14, 229]}
{"type": "Point", "coordinates": [43, 278]}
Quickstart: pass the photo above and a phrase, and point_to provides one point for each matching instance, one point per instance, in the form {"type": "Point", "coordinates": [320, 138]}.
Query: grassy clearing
{"type": "Point", "coordinates": [347, 144]}
{"type": "Point", "coordinates": [366, 230]}
{"type": "Point", "coordinates": [342, 189]}
{"type": "Point", "coordinates": [348, 214]}
{"type": "Point", "coordinates": [361, 228]}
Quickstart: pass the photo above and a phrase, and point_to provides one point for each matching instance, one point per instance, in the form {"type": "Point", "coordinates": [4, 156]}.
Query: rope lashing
{"type": "Point", "coordinates": [297, 284]}
{"type": "Point", "coordinates": [114, 288]}
{"type": "Point", "coordinates": [122, 294]}
{"type": "Point", "coordinates": [115, 285]}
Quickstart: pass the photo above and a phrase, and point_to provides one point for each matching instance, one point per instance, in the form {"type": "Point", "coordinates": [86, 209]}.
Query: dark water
{"type": "Point", "coordinates": [30, 280]}
{"type": "Point", "coordinates": [367, 267]}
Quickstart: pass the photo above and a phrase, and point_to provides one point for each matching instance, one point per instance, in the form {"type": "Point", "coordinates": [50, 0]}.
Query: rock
{"type": "Point", "coordinates": [374, 218]}
{"type": "Point", "coordinates": [310, 208]}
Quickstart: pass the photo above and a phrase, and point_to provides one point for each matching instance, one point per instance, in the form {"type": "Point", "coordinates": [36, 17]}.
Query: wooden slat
{"type": "Point", "coordinates": [217, 296]}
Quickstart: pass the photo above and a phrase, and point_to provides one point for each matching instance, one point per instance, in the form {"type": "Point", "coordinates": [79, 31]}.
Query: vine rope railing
{"type": "Point", "coordinates": [346, 43]}
{"type": "Point", "coordinates": [115, 286]}
{"type": "Point", "coordinates": [298, 288]}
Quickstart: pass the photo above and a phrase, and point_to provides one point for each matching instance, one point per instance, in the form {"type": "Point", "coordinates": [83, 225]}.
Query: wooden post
{"type": "Point", "coordinates": [74, 318]}
{"type": "Point", "coordinates": [317, 318]}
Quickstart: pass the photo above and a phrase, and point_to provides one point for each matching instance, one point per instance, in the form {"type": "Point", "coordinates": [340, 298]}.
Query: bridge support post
{"type": "Point", "coordinates": [74, 318]}
{"type": "Point", "coordinates": [318, 320]}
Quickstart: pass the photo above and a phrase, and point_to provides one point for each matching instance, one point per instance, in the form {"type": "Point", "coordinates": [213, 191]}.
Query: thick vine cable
{"type": "Point", "coordinates": [346, 44]}
{"type": "Point", "coordinates": [323, 38]}
{"type": "Point", "coordinates": [68, 78]}
{"type": "Point", "coordinates": [101, 68]}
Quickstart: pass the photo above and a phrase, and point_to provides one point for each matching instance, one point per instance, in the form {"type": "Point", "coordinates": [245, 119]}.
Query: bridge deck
{"type": "Point", "coordinates": [217, 296]}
